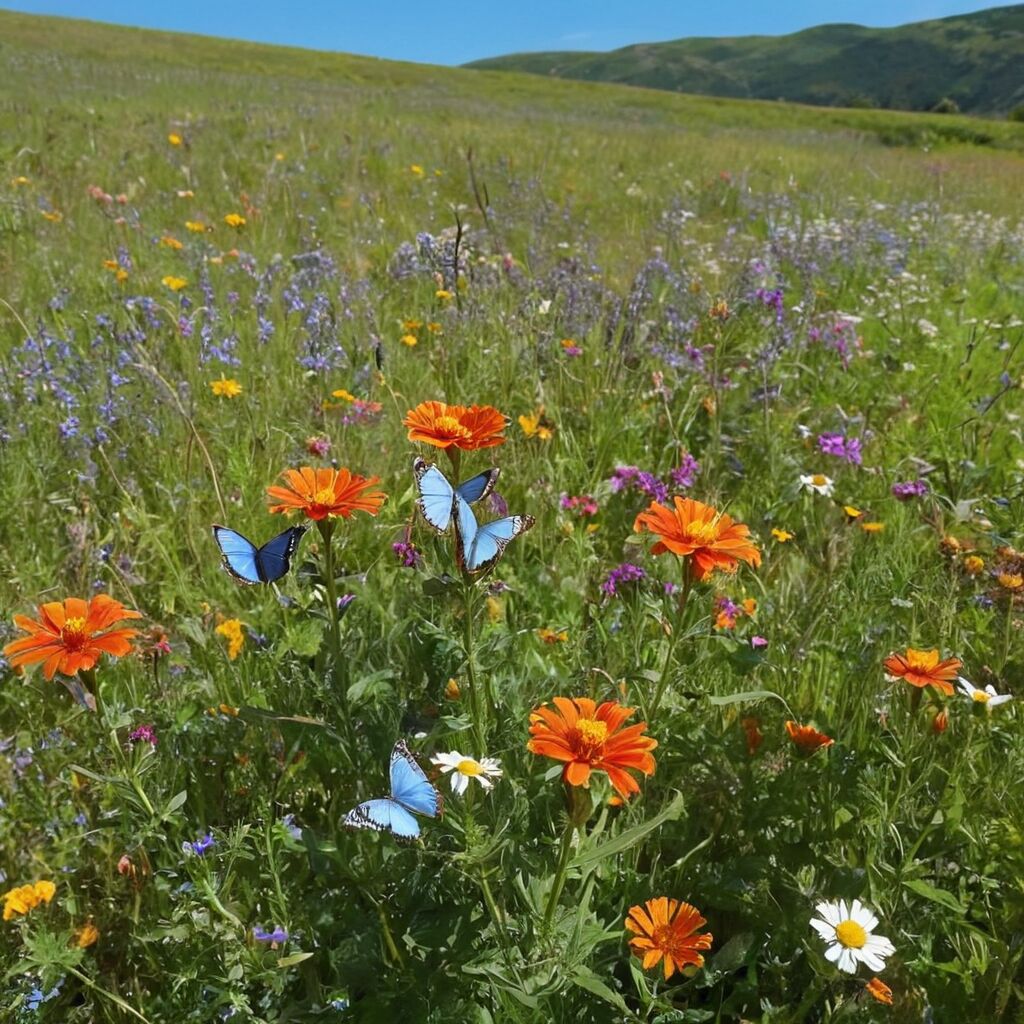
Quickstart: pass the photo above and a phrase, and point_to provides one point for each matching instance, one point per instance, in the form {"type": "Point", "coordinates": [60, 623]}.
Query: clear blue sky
{"type": "Point", "coordinates": [455, 31]}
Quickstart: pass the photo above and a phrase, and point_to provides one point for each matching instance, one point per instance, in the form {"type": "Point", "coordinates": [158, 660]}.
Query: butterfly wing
{"type": "Point", "coordinates": [490, 541]}
{"type": "Point", "coordinates": [409, 784]}
{"type": "Point", "coordinates": [435, 494]}
{"type": "Point", "coordinates": [384, 815]}
{"type": "Point", "coordinates": [465, 532]}
{"type": "Point", "coordinates": [274, 559]}
{"type": "Point", "coordinates": [478, 487]}
{"type": "Point", "coordinates": [239, 556]}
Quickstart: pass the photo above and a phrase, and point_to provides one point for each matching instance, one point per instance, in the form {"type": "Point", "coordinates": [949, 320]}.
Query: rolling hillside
{"type": "Point", "coordinates": [976, 60]}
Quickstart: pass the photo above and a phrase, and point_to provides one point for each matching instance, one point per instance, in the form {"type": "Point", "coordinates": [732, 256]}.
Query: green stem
{"type": "Point", "coordinates": [326, 528]}
{"type": "Point", "coordinates": [673, 637]}
{"type": "Point", "coordinates": [389, 939]}
{"type": "Point", "coordinates": [108, 995]}
{"type": "Point", "coordinates": [480, 715]}
{"type": "Point", "coordinates": [560, 871]}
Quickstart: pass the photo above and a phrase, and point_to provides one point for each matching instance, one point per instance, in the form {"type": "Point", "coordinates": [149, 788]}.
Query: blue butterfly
{"type": "Point", "coordinates": [477, 547]}
{"type": "Point", "coordinates": [437, 495]}
{"type": "Point", "coordinates": [250, 564]}
{"type": "Point", "coordinates": [410, 791]}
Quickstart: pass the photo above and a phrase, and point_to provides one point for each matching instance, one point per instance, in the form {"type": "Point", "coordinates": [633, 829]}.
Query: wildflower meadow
{"type": "Point", "coordinates": [480, 549]}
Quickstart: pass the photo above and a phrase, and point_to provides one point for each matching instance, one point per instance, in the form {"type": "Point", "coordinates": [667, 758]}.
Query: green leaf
{"type": "Point", "coordinates": [587, 979]}
{"type": "Point", "coordinates": [930, 892]}
{"type": "Point", "coordinates": [747, 696]}
{"type": "Point", "coordinates": [628, 839]}
{"type": "Point", "coordinates": [293, 959]}
{"type": "Point", "coordinates": [177, 801]}
{"type": "Point", "coordinates": [436, 586]}
{"type": "Point", "coordinates": [732, 955]}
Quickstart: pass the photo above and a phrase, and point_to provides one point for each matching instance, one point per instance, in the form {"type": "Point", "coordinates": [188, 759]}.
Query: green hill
{"type": "Point", "coordinates": [976, 60]}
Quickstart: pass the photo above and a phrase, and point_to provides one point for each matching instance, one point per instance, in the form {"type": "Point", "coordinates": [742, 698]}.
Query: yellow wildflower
{"type": "Point", "coordinates": [416, 170]}
{"type": "Point", "coordinates": [782, 536]}
{"type": "Point", "coordinates": [872, 527]}
{"type": "Point", "coordinates": [231, 630]}
{"type": "Point", "coordinates": [174, 283]}
{"type": "Point", "coordinates": [120, 275]}
{"type": "Point", "coordinates": [345, 396]}
{"type": "Point", "coordinates": [197, 227]}
{"type": "Point", "coordinates": [174, 139]}
{"type": "Point", "coordinates": [443, 294]}
{"type": "Point", "coordinates": [535, 425]}
{"type": "Point", "coordinates": [279, 157]}
{"type": "Point", "coordinates": [27, 897]}
{"type": "Point", "coordinates": [53, 216]}
{"type": "Point", "coordinates": [553, 636]}
{"type": "Point", "coordinates": [411, 325]}
{"type": "Point", "coordinates": [19, 180]}
{"type": "Point", "coordinates": [434, 327]}
{"type": "Point", "coordinates": [87, 935]}
{"type": "Point", "coordinates": [851, 512]}
{"type": "Point", "coordinates": [226, 387]}
{"type": "Point", "coordinates": [495, 609]}
{"type": "Point", "coordinates": [410, 340]}
{"type": "Point", "coordinates": [170, 242]}
{"type": "Point", "coordinates": [451, 689]}
{"type": "Point", "coordinates": [234, 220]}
{"type": "Point", "coordinates": [1011, 580]}
{"type": "Point", "coordinates": [973, 564]}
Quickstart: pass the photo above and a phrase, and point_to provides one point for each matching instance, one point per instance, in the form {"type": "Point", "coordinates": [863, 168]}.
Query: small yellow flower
{"type": "Point", "coordinates": [1011, 580]}
{"type": "Point", "coordinates": [416, 170]}
{"type": "Point", "coordinates": [18, 181]}
{"type": "Point", "coordinates": [174, 283]}
{"type": "Point", "coordinates": [782, 536]}
{"type": "Point", "coordinates": [120, 275]}
{"type": "Point", "coordinates": [87, 935]}
{"type": "Point", "coordinates": [170, 242]}
{"type": "Point", "coordinates": [851, 512]}
{"type": "Point", "coordinates": [53, 216]}
{"type": "Point", "coordinates": [411, 325]}
{"type": "Point", "coordinates": [345, 396]}
{"type": "Point", "coordinates": [872, 527]}
{"type": "Point", "coordinates": [410, 340]}
{"type": "Point", "coordinates": [553, 636]}
{"type": "Point", "coordinates": [174, 139]}
{"type": "Point", "coordinates": [435, 328]}
{"type": "Point", "coordinates": [197, 227]}
{"type": "Point", "coordinates": [231, 630]}
{"type": "Point", "coordinates": [495, 610]}
{"type": "Point", "coordinates": [443, 294]}
{"type": "Point", "coordinates": [279, 157]}
{"type": "Point", "coordinates": [973, 564]}
{"type": "Point", "coordinates": [234, 220]}
{"type": "Point", "coordinates": [226, 387]}
{"type": "Point", "coordinates": [27, 897]}
{"type": "Point", "coordinates": [451, 689]}
{"type": "Point", "coordinates": [535, 425]}
{"type": "Point", "coordinates": [719, 311]}
{"type": "Point", "coordinates": [110, 265]}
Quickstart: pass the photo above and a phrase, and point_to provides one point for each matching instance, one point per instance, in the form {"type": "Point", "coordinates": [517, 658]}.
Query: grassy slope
{"type": "Point", "coordinates": [975, 59]}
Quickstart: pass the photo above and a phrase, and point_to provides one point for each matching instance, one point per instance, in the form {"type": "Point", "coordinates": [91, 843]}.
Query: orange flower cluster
{"type": "Point", "coordinates": [923, 668]}
{"type": "Point", "coordinates": [670, 930]}
{"type": "Point", "coordinates": [326, 493]}
{"type": "Point", "coordinates": [71, 635]}
{"type": "Point", "coordinates": [694, 530]}
{"type": "Point", "coordinates": [27, 897]}
{"type": "Point", "coordinates": [806, 738]}
{"type": "Point", "coordinates": [587, 738]}
{"type": "Point", "coordinates": [447, 426]}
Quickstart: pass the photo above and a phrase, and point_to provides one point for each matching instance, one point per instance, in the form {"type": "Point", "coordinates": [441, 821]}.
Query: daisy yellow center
{"type": "Point", "coordinates": [818, 480]}
{"type": "Point", "coordinates": [981, 696]}
{"type": "Point", "coordinates": [851, 935]}
{"type": "Point", "coordinates": [324, 496]}
{"type": "Point", "coordinates": [449, 426]}
{"type": "Point", "coordinates": [73, 633]}
{"type": "Point", "coordinates": [592, 733]}
{"type": "Point", "coordinates": [920, 660]}
{"type": "Point", "coordinates": [467, 766]}
{"type": "Point", "coordinates": [699, 532]}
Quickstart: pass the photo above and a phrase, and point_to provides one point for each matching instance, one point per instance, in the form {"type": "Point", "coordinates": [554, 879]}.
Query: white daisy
{"type": "Point", "coordinates": [817, 482]}
{"type": "Point", "coordinates": [848, 929]}
{"type": "Point", "coordinates": [464, 768]}
{"type": "Point", "coordinates": [988, 696]}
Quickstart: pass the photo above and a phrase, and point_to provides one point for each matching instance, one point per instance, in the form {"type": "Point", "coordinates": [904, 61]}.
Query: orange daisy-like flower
{"type": "Point", "coordinates": [326, 493]}
{"type": "Point", "coordinates": [923, 668]}
{"type": "Point", "coordinates": [694, 530]}
{"type": "Point", "coordinates": [807, 738]}
{"type": "Point", "coordinates": [71, 635]}
{"type": "Point", "coordinates": [587, 738]}
{"type": "Point", "coordinates": [445, 426]}
{"type": "Point", "coordinates": [668, 929]}
{"type": "Point", "coordinates": [877, 989]}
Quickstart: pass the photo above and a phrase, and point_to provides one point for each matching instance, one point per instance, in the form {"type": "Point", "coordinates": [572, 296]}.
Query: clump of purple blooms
{"type": "Point", "coordinates": [406, 553]}
{"type": "Point", "coordinates": [277, 936]}
{"type": "Point", "coordinates": [635, 479]}
{"type": "Point", "coordinates": [625, 573]}
{"type": "Point", "coordinates": [200, 846]}
{"type": "Point", "coordinates": [582, 504]}
{"type": "Point", "coordinates": [910, 489]}
{"type": "Point", "coordinates": [143, 734]}
{"type": "Point", "coordinates": [686, 472]}
{"type": "Point", "coordinates": [841, 447]}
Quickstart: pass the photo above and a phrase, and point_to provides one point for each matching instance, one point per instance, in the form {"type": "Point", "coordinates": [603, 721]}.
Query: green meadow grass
{"type": "Point", "coordinates": [614, 217]}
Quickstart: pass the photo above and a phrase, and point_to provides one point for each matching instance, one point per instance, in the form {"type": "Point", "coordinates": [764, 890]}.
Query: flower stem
{"type": "Point", "coordinates": [673, 637]}
{"type": "Point", "coordinates": [326, 528]}
{"type": "Point", "coordinates": [480, 715]}
{"type": "Point", "coordinates": [560, 870]}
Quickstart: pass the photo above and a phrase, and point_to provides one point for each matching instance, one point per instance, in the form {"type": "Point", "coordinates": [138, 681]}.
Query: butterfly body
{"type": "Point", "coordinates": [410, 792]}
{"type": "Point", "coordinates": [437, 496]}
{"type": "Point", "coordinates": [478, 547]}
{"type": "Point", "coordinates": [249, 564]}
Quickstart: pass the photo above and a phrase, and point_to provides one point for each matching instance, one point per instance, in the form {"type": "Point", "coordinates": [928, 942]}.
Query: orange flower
{"type": "Point", "coordinates": [694, 529]}
{"type": "Point", "coordinates": [444, 425]}
{"type": "Point", "coordinates": [587, 738]}
{"type": "Point", "coordinates": [807, 738]}
{"type": "Point", "coordinates": [940, 723]}
{"type": "Point", "coordinates": [326, 493]}
{"type": "Point", "coordinates": [923, 668]}
{"type": "Point", "coordinates": [752, 731]}
{"type": "Point", "coordinates": [667, 928]}
{"type": "Point", "coordinates": [69, 635]}
{"type": "Point", "coordinates": [878, 989]}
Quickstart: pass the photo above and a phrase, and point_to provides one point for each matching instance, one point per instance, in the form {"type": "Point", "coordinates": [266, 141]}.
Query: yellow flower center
{"type": "Point", "coordinates": [981, 696]}
{"type": "Point", "coordinates": [467, 766]}
{"type": "Point", "coordinates": [73, 633]}
{"type": "Point", "coordinates": [324, 497]}
{"type": "Point", "coordinates": [699, 532]}
{"type": "Point", "coordinates": [851, 935]}
{"type": "Point", "coordinates": [449, 426]}
{"type": "Point", "coordinates": [592, 733]}
{"type": "Point", "coordinates": [819, 480]}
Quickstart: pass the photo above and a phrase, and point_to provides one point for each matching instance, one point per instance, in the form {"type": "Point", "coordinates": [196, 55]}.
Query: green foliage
{"type": "Point", "coordinates": [738, 278]}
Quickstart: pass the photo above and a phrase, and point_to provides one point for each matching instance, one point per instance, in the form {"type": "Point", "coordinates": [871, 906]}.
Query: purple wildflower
{"type": "Point", "coordinates": [757, 642]}
{"type": "Point", "coordinates": [910, 489]}
{"type": "Point", "coordinates": [683, 475]}
{"type": "Point", "coordinates": [200, 846]}
{"type": "Point", "coordinates": [143, 734]}
{"type": "Point", "coordinates": [406, 553]}
{"type": "Point", "coordinates": [277, 936]}
{"type": "Point", "coordinates": [840, 447]}
{"type": "Point", "coordinates": [634, 478]}
{"type": "Point", "coordinates": [625, 573]}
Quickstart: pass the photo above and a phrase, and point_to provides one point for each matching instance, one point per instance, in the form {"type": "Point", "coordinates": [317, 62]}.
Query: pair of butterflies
{"type": "Point", "coordinates": [477, 547]}
{"type": "Point", "coordinates": [411, 792]}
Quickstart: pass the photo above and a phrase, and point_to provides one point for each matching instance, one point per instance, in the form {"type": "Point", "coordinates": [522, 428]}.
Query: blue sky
{"type": "Point", "coordinates": [455, 31]}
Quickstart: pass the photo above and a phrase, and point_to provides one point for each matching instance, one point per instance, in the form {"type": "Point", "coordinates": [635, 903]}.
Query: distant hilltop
{"type": "Point", "coordinates": [971, 62]}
